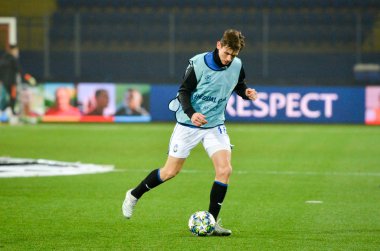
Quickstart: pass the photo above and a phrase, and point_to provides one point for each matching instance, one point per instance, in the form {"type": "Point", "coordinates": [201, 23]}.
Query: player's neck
{"type": "Point", "coordinates": [217, 60]}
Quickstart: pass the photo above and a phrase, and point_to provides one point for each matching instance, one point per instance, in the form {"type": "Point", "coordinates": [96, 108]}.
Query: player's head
{"type": "Point", "coordinates": [229, 46]}
{"type": "Point", "coordinates": [13, 50]}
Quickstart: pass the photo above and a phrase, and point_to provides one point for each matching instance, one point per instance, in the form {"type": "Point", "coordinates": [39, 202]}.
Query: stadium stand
{"type": "Point", "coordinates": [288, 41]}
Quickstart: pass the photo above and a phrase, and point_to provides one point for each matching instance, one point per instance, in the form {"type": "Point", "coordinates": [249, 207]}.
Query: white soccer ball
{"type": "Point", "coordinates": [201, 223]}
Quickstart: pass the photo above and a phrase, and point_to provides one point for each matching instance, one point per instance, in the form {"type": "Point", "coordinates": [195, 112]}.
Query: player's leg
{"type": "Point", "coordinates": [12, 98]}
{"type": "Point", "coordinates": [155, 178]}
{"type": "Point", "coordinates": [182, 141]}
{"type": "Point", "coordinates": [222, 165]}
{"type": "Point", "coordinates": [171, 168]}
{"type": "Point", "coordinates": [179, 150]}
{"type": "Point", "coordinates": [6, 96]}
{"type": "Point", "coordinates": [217, 145]}
{"type": "Point", "coordinates": [223, 169]}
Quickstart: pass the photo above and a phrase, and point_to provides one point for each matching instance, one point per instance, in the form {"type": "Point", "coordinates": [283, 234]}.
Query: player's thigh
{"type": "Point", "coordinates": [183, 140]}
{"type": "Point", "coordinates": [217, 140]}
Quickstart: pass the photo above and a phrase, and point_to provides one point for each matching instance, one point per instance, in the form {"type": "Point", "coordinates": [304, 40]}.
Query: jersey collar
{"type": "Point", "coordinates": [212, 60]}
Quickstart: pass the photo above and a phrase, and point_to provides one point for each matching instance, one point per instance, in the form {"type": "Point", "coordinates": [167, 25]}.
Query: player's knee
{"type": "Point", "coordinates": [168, 174]}
{"type": "Point", "coordinates": [224, 171]}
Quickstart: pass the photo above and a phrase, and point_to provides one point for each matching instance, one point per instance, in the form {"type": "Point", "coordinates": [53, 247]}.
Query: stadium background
{"type": "Point", "coordinates": [290, 42]}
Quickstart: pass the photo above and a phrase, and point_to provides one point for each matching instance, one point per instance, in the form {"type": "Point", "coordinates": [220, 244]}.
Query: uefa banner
{"type": "Point", "coordinates": [308, 104]}
{"type": "Point", "coordinates": [280, 104]}
{"type": "Point", "coordinates": [141, 102]}
{"type": "Point", "coordinates": [86, 102]}
{"type": "Point", "coordinates": [372, 105]}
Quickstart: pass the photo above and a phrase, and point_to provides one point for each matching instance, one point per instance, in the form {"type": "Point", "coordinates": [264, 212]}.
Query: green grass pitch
{"type": "Point", "coordinates": [276, 170]}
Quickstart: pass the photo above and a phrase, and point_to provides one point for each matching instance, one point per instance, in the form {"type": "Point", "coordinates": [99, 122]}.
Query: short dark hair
{"type": "Point", "coordinates": [13, 46]}
{"type": "Point", "coordinates": [233, 39]}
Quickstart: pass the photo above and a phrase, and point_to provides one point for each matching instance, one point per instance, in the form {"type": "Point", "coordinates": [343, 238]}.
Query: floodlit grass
{"type": "Point", "coordinates": [277, 169]}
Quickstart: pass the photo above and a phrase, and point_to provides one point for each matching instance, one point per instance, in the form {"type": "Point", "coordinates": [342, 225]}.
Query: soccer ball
{"type": "Point", "coordinates": [201, 223]}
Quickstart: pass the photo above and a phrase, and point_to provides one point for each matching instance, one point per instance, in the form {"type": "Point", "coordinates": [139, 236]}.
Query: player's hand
{"type": "Point", "coordinates": [198, 119]}
{"type": "Point", "coordinates": [31, 80]}
{"type": "Point", "coordinates": [251, 94]}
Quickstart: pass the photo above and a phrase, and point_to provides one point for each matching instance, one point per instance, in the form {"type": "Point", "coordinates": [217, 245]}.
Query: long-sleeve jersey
{"type": "Point", "coordinates": [9, 68]}
{"type": "Point", "coordinates": [189, 84]}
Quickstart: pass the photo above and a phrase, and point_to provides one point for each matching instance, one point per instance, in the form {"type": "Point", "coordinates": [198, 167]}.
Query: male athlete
{"type": "Point", "coordinates": [10, 75]}
{"type": "Point", "coordinates": [208, 83]}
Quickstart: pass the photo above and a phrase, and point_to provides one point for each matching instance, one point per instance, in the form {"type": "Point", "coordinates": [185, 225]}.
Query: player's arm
{"type": "Point", "coordinates": [18, 70]}
{"type": "Point", "coordinates": [242, 89]}
{"type": "Point", "coordinates": [189, 84]}
{"type": "Point", "coordinates": [26, 76]}
{"type": "Point", "coordinates": [30, 79]}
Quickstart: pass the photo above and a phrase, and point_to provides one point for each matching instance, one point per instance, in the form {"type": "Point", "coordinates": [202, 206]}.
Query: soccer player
{"type": "Point", "coordinates": [10, 74]}
{"type": "Point", "coordinates": [208, 83]}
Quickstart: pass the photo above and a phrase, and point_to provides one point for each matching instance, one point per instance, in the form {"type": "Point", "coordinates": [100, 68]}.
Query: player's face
{"type": "Point", "coordinates": [15, 52]}
{"type": "Point", "coordinates": [226, 54]}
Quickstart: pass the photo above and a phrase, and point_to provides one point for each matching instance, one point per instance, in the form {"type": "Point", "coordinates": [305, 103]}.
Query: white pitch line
{"type": "Point", "coordinates": [314, 202]}
{"type": "Point", "coordinates": [310, 173]}
{"type": "Point", "coordinates": [295, 173]}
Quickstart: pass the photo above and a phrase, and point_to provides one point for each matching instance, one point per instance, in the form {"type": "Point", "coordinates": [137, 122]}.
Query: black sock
{"type": "Point", "coordinates": [152, 180]}
{"type": "Point", "coordinates": [218, 192]}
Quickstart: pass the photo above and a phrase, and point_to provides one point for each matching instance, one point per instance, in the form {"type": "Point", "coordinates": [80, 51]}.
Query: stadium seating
{"type": "Point", "coordinates": [230, 4]}
{"type": "Point", "coordinates": [301, 38]}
